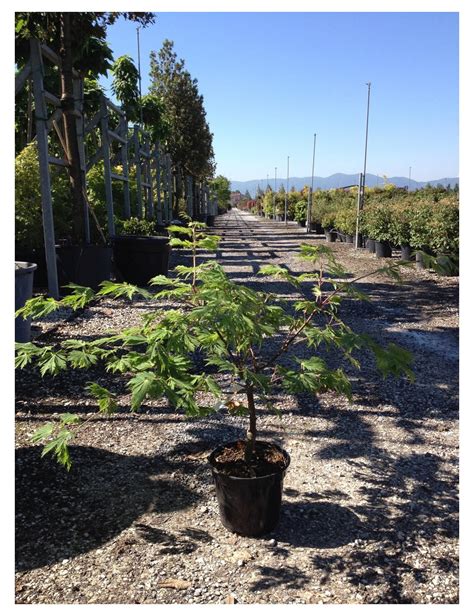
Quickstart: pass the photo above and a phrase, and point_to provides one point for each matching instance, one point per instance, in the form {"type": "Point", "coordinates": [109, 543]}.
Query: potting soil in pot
{"type": "Point", "coordinates": [267, 459]}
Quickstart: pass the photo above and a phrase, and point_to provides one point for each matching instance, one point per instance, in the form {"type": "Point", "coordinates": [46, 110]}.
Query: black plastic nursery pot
{"type": "Point", "coordinates": [34, 255]}
{"type": "Point", "coordinates": [24, 273]}
{"type": "Point", "coordinates": [382, 249]}
{"type": "Point", "coordinates": [317, 228]}
{"type": "Point", "coordinates": [249, 506]}
{"type": "Point", "coordinates": [85, 264]}
{"type": "Point", "coordinates": [210, 220]}
{"type": "Point", "coordinates": [349, 239]}
{"type": "Point", "coordinates": [138, 258]}
{"type": "Point", "coordinates": [406, 252]}
{"type": "Point", "coordinates": [331, 236]}
{"type": "Point", "coordinates": [370, 245]}
{"type": "Point", "coordinates": [360, 241]}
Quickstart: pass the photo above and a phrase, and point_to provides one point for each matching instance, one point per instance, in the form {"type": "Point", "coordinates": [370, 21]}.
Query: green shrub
{"type": "Point", "coordinates": [300, 210]}
{"type": "Point", "coordinates": [377, 220]}
{"type": "Point", "coordinates": [28, 213]}
{"type": "Point", "coordinates": [136, 226]}
{"type": "Point", "coordinates": [444, 226]}
{"type": "Point", "coordinates": [400, 224]}
{"type": "Point", "coordinates": [345, 220]}
{"type": "Point", "coordinates": [421, 215]}
{"type": "Point", "coordinates": [268, 203]}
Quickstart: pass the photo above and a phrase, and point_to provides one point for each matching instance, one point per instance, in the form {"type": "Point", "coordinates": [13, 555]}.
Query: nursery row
{"type": "Point", "coordinates": [426, 219]}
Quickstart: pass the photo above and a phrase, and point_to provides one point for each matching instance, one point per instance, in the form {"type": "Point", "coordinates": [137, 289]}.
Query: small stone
{"type": "Point", "coordinates": [272, 543]}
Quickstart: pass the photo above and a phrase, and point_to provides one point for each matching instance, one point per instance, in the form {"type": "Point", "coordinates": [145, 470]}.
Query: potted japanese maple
{"type": "Point", "coordinates": [226, 325]}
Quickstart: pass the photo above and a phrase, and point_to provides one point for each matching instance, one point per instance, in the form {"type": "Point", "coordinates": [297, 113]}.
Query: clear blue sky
{"type": "Point", "coordinates": [270, 80]}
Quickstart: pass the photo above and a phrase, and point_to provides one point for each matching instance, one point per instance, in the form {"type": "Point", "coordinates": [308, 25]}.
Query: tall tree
{"type": "Point", "coordinates": [220, 188]}
{"type": "Point", "coordinates": [190, 139]}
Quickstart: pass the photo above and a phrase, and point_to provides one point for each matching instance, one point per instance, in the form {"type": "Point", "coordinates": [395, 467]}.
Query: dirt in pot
{"type": "Point", "coordinates": [266, 460]}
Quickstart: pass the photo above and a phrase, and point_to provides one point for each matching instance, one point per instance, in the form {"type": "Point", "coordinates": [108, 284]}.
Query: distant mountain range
{"type": "Point", "coordinates": [337, 180]}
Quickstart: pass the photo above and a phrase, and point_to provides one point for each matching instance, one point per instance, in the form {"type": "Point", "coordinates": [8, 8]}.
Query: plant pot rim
{"type": "Point", "coordinates": [140, 238]}
{"type": "Point", "coordinates": [68, 244]}
{"type": "Point", "coordinates": [211, 457]}
{"type": "Point", "coordinates": [24, 267]}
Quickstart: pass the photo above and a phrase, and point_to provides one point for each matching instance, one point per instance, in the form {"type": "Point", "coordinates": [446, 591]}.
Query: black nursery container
{"type": "Point", "coordinates": [249, 506]}
{"type": "Point", "coordinates": [331, 236]}
{"type": "Point", "coordinates": [85, 264]}
{"type": "Point", "coordinates": [370, 245]}
{"type": "Point", "coordinates": [138, 258]}
{"type": "Point", "coordinates": [382, 249]}
{"type": "Point", "coordinates": [406, 252]}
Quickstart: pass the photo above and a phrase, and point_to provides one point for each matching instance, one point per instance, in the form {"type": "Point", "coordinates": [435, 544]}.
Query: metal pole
{"type": "Point", "coordinates": [287, 182]}
{"type": "Point", "coordinates": [358, 212]}
{"type": "Point", "coordinates": [368, 84]}
{"type": "Point", "coordinates": [409, 178]}
{"type": "Point", "coordinates": [274, 195]}
{"type": "Point", "coordinates": [310, 194]}
{"type": "Point", "coordinates": [139, 77]}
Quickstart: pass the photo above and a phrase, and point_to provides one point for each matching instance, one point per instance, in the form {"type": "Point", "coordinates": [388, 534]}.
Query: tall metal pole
{"type": "Point", "coordinates": [368, 84]}
{"type": "Point", "coordinates": [287, 183]}
{"type": "Point", "coordinates": [139, 77]}
{"type": "Point", "coordinates": [409, 178]}
{"type": "Point", "coordinates": [274, 195]}
{"type": "Point", "coordinates": [310, 193]}
{"type": "Point", "coordinates": [358, 212]}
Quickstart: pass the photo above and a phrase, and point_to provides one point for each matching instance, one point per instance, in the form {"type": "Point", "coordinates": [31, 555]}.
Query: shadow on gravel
{"type": "Point", "coordinates": [409, 502]}
{"type": "Point", "coordinates": [183, 542]}
{"type": "Point", "coordinates": [291, 578]}
{"type": "Point", "coordinates": [60, 515]}
{"type": "Point", "coordinates": [319, 524]}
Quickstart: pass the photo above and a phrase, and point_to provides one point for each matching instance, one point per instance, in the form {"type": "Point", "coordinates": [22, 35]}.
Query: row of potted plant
{"type": "Point", "coordinates": [413, 223]}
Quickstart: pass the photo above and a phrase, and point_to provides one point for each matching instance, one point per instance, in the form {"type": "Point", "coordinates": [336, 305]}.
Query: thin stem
{"type": "Point", "coordinates": [194, 261]}
{"type": "Point", "coordinates": [252, 431]}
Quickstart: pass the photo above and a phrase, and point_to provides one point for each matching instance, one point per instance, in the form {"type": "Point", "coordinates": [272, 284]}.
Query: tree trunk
{"type": "Point", "coordinates": [70, 132]}
{"type": "Point", "coordinates": [252, 431]}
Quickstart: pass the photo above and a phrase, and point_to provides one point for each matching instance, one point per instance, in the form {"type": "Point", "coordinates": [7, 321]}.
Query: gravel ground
{"type": "Point", "coordinates": [370, 500]}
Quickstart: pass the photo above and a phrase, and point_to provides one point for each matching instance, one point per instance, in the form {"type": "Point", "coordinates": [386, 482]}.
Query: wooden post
{"type": "Point", "coordinates": [104, 137]}
{"type": "Point", "coordinates": [148, 180]}
{"type": "Point", "coordinates": [169, 181]}
{"type": "Point", "coordinates": [78, 88]}
{"type": "Point", "coordinates": [172, 189]}
{"type": "Point", "coordinates": [189, 195]}
{"type": "Point", "coordinates": [136, 142]}
{"type": "Point", "coordinates": [124, 157]}
{"type": "Point", "coordinates": [159, 205]}
{"type": "Point", "coordinates": [45, 183]}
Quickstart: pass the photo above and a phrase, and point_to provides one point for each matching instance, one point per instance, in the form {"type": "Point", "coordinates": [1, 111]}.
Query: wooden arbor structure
{"type": "Point", "coordinates": [117, 146]}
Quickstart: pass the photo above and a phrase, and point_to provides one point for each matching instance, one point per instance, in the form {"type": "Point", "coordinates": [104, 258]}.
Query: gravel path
{"type": "Point", "coordinates": [370, 500]}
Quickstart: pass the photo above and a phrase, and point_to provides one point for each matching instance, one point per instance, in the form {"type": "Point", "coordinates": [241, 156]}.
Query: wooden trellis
{"type": "Point", "coordinates": [34, 69]}
{"type": "Point", "coordinates": [157, 187]}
